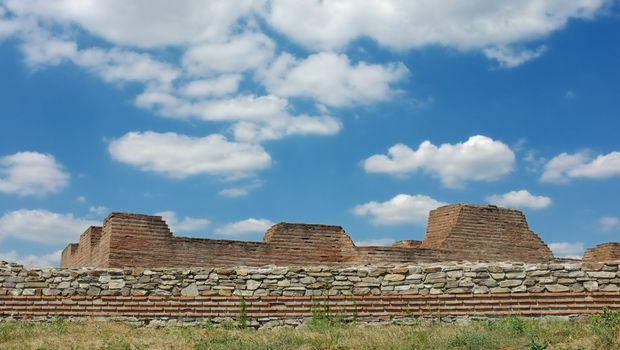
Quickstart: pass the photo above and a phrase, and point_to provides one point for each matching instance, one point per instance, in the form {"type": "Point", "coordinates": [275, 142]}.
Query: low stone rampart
{"type": "Point", "coordinates": [275, 295]}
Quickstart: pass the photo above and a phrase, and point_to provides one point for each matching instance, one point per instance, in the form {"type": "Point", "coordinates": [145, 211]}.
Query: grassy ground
{"type": "Point", "coordinates": [601, 332]}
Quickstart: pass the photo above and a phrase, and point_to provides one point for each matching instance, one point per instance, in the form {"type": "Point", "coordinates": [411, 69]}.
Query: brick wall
{"type": "Point", "coordinates": [455, 232]}
{"type": "Point", "coordinates": [603, 252]}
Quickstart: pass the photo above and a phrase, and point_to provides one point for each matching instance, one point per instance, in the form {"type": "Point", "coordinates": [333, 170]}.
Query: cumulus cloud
{"type": "Point", "coordinates": [480, 158]}
{"type": "Point", "coordinates": [31, 260]}
{"type": "Point", "coordinates": [219, 86]}
{"type": "Point", "coordinates": [566, 166]}
{"type": "Point", "coordinates": [42, 226]}
{"type": "Point", "coordinates": [246, 226]}
{"type": "Point", "coordinates": [31, 173]}
{"type": "Point", "coordinates": [404, 24]}
{"type": "Point", "coordinates": [375, 242]}
{"type": "Point", "coordinates": [519, 199]}
{"type": "Point", "coordinates": [402, 209]}
{"type": "Point", "coordinates": [187, 224]}
{"type": "Point", "coordinates": [332, 79]}
{"type": "Point", "coordinates": [181, 156]}
{"type": "Point", "coordinates": [609, 223]}
{"type": "Point", "coordinates": [143, 23]}
{"type": "Point", "coordinates": [237, 54]}
{"type": "Point", "coordinates": [572, 250]}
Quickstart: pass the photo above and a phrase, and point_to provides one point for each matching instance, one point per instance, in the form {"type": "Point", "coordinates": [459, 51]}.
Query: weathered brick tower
{"type": "Point", "coordinates": [454, 232]}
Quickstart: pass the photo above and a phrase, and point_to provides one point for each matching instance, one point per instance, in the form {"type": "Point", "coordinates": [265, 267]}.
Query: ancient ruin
{"type": "Point", "coordinates": [455, 232]}
{"type": "Point", "coordinates": [474, 261]}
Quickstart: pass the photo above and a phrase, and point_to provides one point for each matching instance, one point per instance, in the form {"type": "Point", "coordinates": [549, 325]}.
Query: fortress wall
{"type": "Point", "coordinates": [276, 295]}
{"type": "Point", "coordinates": [602, 252]}
{"type": "Point", "coordinates": [472, 232]}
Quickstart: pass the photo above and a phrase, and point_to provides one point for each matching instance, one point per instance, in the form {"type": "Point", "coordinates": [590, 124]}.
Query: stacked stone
{"type": "Point", "coordinates": [420, 279]}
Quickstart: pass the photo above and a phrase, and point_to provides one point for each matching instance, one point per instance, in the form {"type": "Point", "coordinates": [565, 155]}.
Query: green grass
{"type": "Point", "coordinates": [597, 332]}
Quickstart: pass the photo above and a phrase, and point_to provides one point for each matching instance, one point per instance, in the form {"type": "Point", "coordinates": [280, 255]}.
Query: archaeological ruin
{"type": "Point", "coordinates": [474, 262]}
{"type": "Point", "coordinates": [454, 233]}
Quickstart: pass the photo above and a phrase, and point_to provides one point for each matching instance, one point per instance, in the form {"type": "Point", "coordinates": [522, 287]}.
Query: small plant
{"type": "Point", "coordinates": [605, 327]}
{"type": "Point", "coordinates": [533, 345]}
{"type": "Point", "coordinates": [243, 313]}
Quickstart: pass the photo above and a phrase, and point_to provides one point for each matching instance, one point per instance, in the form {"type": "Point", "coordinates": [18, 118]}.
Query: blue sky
{"type": "Point", "coordinates": [225, 117]}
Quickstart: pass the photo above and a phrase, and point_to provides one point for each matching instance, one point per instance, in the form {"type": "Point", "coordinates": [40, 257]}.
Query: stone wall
{"type": "Point", "coordinates": [455, 232]}
{"type": "Point", "coordinates": [276, 294]}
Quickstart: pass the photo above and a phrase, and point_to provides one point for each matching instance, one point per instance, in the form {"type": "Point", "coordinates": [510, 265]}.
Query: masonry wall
{"type": "Point", "coordinates": [603, 252]}
{"type": "Point", "coordinates": [290, 295]}
{"type": "Point", "coordinates": [455, 232]}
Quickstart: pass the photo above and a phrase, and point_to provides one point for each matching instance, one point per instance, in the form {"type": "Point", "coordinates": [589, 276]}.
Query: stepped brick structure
{"type": "Point", "coordinates": [603, 252]}
{"type": "Point", "coordinates": [455, 232]}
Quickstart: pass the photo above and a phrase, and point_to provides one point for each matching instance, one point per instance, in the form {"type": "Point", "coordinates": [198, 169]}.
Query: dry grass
{"type": "Point", "coordinates": [509, 333]}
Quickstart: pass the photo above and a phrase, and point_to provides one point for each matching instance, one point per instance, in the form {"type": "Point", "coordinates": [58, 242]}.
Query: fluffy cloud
{"type": "Point", "coordinates": [237, 54]}
{"type": "Point", "coordinates": [250, 225]}
{"type": "Point", "coordinates": [181, 156]}
{"type": "Point", "coordinates": [142, 23]}
{"type": "Point", "coordinates": [480, 158]}
{"type": "Point", "coordinates": [609, 223]}
{"type": "Point", "coordinates": [255, 118]}
{"type": "Point", "coordinates": [402, 209]}
{"type": "Point", "coordinates": [519, 199]}
{"type": "Point", "coordinates": [220, 86]}
{"type": "Point", "coordinates": [567, 250]}
{"type": "Point", "coordinates": [42, 226]}
{"type": "Point", "coordinates": [31, 173]}
{"type": "Point", "coordinates": [375, 242]}
{"type": "Point", "coordinates": [331, 79]}
{"type": "Point", "coordinates": [581, 165]}
{"type": "Point", "coordinates": [404, 24]}
{"type": "Point", "coordinates": [187, 224]}
{"type": "Point", "coordinates": [45, 260]}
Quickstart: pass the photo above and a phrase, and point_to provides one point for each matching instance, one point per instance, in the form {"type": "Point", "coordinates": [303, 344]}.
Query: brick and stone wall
{"type": "Point", "coordinates": [275, 295]}
{"type": "Point", "coordinates": [455, 232]}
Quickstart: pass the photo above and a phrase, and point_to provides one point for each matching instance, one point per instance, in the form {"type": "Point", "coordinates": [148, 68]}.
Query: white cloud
{"type": "Point", "coordinates": [402, 209]}
{"type": "Point", "coordinates": [99, 210]}
{"type": "Point", "coordinates": [141, 23]}
{"type": "Point", "coordinates": [181, 156]}
{"type": "Point", "coordinates": [45, 260]}
{"type": "Point", "coordinates": [519, 199]}
{"type": "Point", "coordinates": [187, 224]}
{"type": "Point", "coordinates": [240, 191]}
{"type": "Point", "coordinates": [509, 57]}
{"type": "Point", "coordinates": [405, 24]}
{"type": "Point", "coordinates": [31, 173]}
{"type": "Point", "coordinates": [609, 223]}
{"type": "Point", "coordinates": [42, 226]}
{"type": "Point", "coordinates": [581, 165]}
{"type": "Point", "coordinates": [80, 199]}
{"type": "Point", "coordinates": [222, 85]}
{"type": "Point", "coordinates": [331, 79]}
{"type": "Point", "coordinates": [250, 225]}
{"type": "Point", "coordinates": [567, 250]}
{"type": "Point", "coordinates": [480, 158]}
{"type": "Point", "coordinates": [375, 242]}
{"type": "Point", "coordinates": [237, 54]}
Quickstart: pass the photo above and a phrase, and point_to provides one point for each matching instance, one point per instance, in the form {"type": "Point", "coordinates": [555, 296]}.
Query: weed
{"type": "Point", "coordinates": [605, 327]}
{"type": "Point", "coordinates": [243, 313]}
